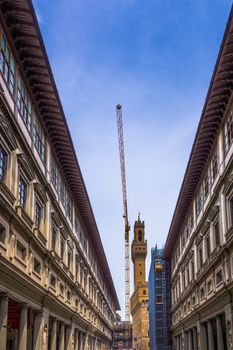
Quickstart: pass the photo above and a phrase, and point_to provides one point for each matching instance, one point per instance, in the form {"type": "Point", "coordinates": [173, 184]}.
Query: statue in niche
{"type": "Point", "coordinates": [45, 337]}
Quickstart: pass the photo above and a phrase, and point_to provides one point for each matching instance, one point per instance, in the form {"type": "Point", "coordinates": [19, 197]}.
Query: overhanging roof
{"type": "Point", "coordinates": [22, 23]}
{"type": "Point", "coordinates": [218, 96]}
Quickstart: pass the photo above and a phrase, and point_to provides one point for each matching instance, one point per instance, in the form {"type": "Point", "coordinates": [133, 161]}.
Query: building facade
{"type": "Point", "coordinates": [56, 289]}
{"type": "Point", "coordinates": [159, 301]}
{"type": "Point", "coordinates": [139, 298]}
{"type": "Point", "coordinates": [200, 239]}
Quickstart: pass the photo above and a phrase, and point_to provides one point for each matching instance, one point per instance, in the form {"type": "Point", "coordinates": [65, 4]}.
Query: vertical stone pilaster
{"type": "Point", "coordinates": [54, 335]}
{"type": "Point", "coordinates": [186, 341]}
{"type": "Point", "coordinates": [180, 342]}
{"type": "Point", "coordinates": [61, 342]}
{"type": "Point", "coordinates": [223, 217]}
{"type": "Point", "coordinates": [94, 343]}
{"type": "Point", "coordinates": [195, 340]}
{"type": "Point", "coordinates": [219, 334]}
{"type": "Point", "coordinates": [85, 341]}
{"type": "Point", "coordinates": [190, 339]}
{"type": "Point", "coordinates": [198, 329]}
{"type": "Point", "coordinates": [68, 338]}
{"type": "Point", "coordinates": [80, 341]}
{"type": "Point", "coordinates": [3, 321]}
{"type": "Point", "coordinates": [210, 335]}
{"type": "Point", "coordinates": [37, 331]}
{"type": "Point", "coordinates": [23, 328]}
{"type": "Point", "coordinates": [203, 337]}
{"type": "Point", "coordinates": [76, 340]}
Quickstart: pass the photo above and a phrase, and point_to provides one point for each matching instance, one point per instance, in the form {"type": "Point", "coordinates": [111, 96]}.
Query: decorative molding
{"type": "Point", "coordinates": [7, 131]}
{"type": "Point", "coordinates": [228, 184]}
{"type": "Point", "coordinates": [41, 192]}
{"type": "Point", "coordinates": [27, 166]}
{"type": "Point", "coordinates": [213, 212]}
{"type": "Point", "coordinates": [56, 218]}
{"type": "Point", "coordinates": [4, 190]}
{"type": "Point", "coordinates": [22, 213]}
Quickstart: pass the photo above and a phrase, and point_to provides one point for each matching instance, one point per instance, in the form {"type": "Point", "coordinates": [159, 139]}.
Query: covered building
{"type": "Point", "coordinates": [200, 239]}
{"type": "Point", "coordinates": [123, 335]}
{"type": "Point", "coordinates": [56, 289]}
{"type": "Point", "coordinates": [159, 301]}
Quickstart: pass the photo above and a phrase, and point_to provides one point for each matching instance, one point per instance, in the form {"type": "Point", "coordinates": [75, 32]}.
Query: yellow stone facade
{"type": "Point", "coordinates": [139, 298]}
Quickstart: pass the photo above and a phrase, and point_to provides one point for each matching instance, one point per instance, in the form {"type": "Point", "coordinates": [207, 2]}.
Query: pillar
{"type": "Point", "coordinates": [76, 340]}
{"type": "Point", "coordinates": [80, 341]}
{"type": "Point", "coordinates": [190, 340]}
{"type": "Point", "coordinates": [180, 342]}
{"type": "Point", "coordinates": [186, 340]}
{"type": "Point", "coordinates": [195, 345]}
{"type": "Point", "coordinates": [175, 343]}
{"type": "Point", "coordinates": [37, 331]}
{"type": "Point", "coordinates": [85, 337]}
{"type": "Point", "coordinates": [23, 327]}
{"type": "Point", "coordinates": [61, 342]}
{"type": "Point", "coordinates": [210, 335]}
{"type": "Point", "coordinates": [219, 334]}
{"type": "Point", "coordinates": [203, 337]}
{"type": "Point", "coordinates": [3, 321]}
{"type": "Point", "coordinates": [68, 338]}
{"type": "Point", "coordinates": [53, 345]}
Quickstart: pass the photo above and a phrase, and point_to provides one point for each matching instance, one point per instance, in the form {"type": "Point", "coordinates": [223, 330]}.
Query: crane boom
{"type": "Point", "coordinates": [127, 226]}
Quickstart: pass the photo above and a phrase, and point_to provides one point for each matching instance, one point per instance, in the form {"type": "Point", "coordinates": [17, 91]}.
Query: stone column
{"type": "Point", "coordinates": [37, 331]}
{"type": "Point", "coordinates": [94, 343]}
{"type": "Point", "coordinates": [195, 345]}
{"type": "Point", "coordinates": [76, 340]}
{"type": "Point", "coordinates": [61, 342]}
{"type": "Point", "coordinates": [175, 342]}
{"type": "Point", "coordinates": [219, 334]}
{"type": "Point", "coordinates": [210, 335]}
{"type": "Point", "coordinates": [85, 337]}
{"type": "Point", "coordinates": [203, 337]}
{"type": "Point", "coordinates": [23, 327]}
{"type": "Point", "coordinates": [190, 340]}
{"type": "Point", "coordinates": [186, 344]}
{"type": "Point", "coordinates": [223, 216]}
{"type": "Point", "coordinates": [180, 346]}
{"type": "Point", "coordinates": [68, 338]}
{"type": "Point", "coordinates": [80, 341]}
{"type": "Point", "coordinates": [3, 321]}
{"type": "Point", "coordinates": [54, 335]}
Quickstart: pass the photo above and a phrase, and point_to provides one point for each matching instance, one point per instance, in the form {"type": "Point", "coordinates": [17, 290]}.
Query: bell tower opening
{"type": "Point", "coordinates": [140, 236]}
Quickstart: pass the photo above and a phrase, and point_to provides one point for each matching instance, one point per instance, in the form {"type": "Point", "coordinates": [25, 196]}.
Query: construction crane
{"type": "Point", "coordinates": [127, 226]}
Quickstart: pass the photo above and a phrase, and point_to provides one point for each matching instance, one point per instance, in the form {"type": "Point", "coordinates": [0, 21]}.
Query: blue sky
{"type": "Point", "coordinates": [156, 58]}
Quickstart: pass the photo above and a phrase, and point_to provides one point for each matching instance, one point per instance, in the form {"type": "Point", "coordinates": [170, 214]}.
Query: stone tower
{"type": "Point", "coordinates": [139, 298]}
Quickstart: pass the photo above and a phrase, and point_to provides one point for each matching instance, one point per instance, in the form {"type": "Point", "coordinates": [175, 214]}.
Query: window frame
{"type": "Point", "coordinates": [228, 132]}
{"type": "Point", "coordinates": [3, 163]}
{"type": "Point", "coordinates": [39, 138]}
{"type": "Point", "coordinates": [38, 217]}
{"type": "Point", "coordinates": [7, 62]}
{"type": "Point", "coordinates": [24, 104]}
{"type": "Point", "coordinates": [23, 180]}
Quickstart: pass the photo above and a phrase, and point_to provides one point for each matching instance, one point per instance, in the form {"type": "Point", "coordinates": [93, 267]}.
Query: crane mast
{"type": "Point", "coordinates": [127, 226]}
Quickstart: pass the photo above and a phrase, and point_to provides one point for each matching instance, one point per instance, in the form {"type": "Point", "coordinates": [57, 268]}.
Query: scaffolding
{"type": "Point", "coordinates": [122, 335]}
{"type": "Point", "coordinates": [162, 300]}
